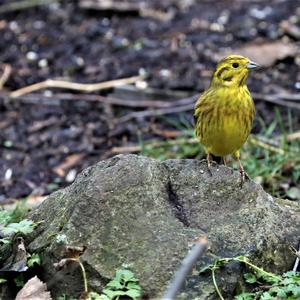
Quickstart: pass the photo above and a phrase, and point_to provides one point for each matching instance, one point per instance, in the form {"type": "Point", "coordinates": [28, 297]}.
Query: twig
{"type": "Point", "coordinates": [297, 261]}
{"type": "Point", "coordinates": [185, 268]}
{"type": "Point", "coordinates": [38, 98]}
{"type": "Point", "coordinates": [20, 5]}
{"type": "Point", "coordinates": [155, 112]}
{"type": "Point", "coordinates": [6, 73]}
{"type": "Point", "coordinates": [126, 149]}
{"type": "Point", "coordinates": [83, 87]}
{"type": "Point", "coordinates": [257, 142]}
{"type": "Point", "coordinates": [280, 99]}
{"type": "Point", "coordinates": [141, 7]}
{"type": "Point", "coordinates": [41, 98]}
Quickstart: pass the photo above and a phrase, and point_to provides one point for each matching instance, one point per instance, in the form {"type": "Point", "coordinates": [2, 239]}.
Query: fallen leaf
{"type": "Point", "coordinates": [34, 289]}
{"type": "Point", "coordinates": [265, 54]}
{"type": "Point", "coordinates": [74, 251]}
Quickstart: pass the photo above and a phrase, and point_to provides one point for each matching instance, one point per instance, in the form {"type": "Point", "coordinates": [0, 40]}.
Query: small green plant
{"type": "Point", "coordinates": [124, 284]}
{"type": "Point", "coordinates": [268, 286]}
{"type": "Point", "coordinates": [287, 287]}
{"type": "Point", "coordinates": [9, 227]}
{"type": "Point", "coordinates": [19, 280]}
{"type": "Point", "coordinates": [34, 259]}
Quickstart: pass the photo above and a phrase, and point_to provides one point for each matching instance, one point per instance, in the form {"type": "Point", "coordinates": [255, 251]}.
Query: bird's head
{"type": "Point", "coordinates": [233, 71]}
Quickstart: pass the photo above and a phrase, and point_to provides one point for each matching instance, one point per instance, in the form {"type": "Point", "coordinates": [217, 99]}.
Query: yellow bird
{"type": "Point", "coordinates": [224, 112]}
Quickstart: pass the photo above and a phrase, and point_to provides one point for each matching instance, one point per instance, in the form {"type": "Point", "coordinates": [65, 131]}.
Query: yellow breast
{"type": "Point", "coordinates": [224, 123]}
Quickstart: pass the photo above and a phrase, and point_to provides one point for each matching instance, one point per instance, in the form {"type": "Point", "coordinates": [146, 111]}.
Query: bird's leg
{"type": "Point", "coordinates": [208, 158]}
{"type": "Point", "coordinates": [242, 170]}
{"type": "Point", "coordinates": [224, 161]}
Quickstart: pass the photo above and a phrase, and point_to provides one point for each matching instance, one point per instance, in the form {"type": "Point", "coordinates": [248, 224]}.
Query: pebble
{"type": "Point", "coordinates": [31, 55]}
{"type": "Point", "coordinates": [71, 175]}
{"type": "Point", "coordinates": [8, 174]}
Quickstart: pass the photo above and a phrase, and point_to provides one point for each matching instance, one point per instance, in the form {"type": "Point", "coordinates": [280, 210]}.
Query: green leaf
{"type": "Point", "coordinates": [112, 294]}
{"type": "Point", "coordinates": [114, 284]}
{"type": "Point", "coordinates": [19, 281]}
{"type": "Point", "coordinates": [5, 217]}
{"type": "Point", "coordinates": [124, 284]}
{"type": "Point", "coordinates": [133, 285]}
{"type": "Point", "coordinates": [126, 275]}
{"type": "Point", "coordinates": [2, 280]}
{"type": "Point", "coordinates": [270, 279]}
{"type": "Point", "coordinates": [294, 289]}
{"type": "Point", "coordinates": [277, 291]}
{"type": "Point", "coordinates": [25, 227]}
{"type": "Point", "coordinates": [250, 277]}
{"type": "Point", "coordinates": [267, 296]}
{"type": "Point", "coordinates": [281, 294]}
{"type": "Point", "coordinates": [34, 259]}
{"type": "Point", "coordinates": [287, 281]}
{"type": "Point", "coordinates": [109, 293]}
{"type": "Point", "coordinates": [245, 296]}
{"type": "Point", "coordinates": [5, 241]}
{"type": "Point", "coordinates": [292, 274]}
{"type": "Point", "coordinates": [134, 294]}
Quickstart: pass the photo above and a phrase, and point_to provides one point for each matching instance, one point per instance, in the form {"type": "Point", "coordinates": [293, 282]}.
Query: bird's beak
{"type": "Point", "coordinates": [252, 65]}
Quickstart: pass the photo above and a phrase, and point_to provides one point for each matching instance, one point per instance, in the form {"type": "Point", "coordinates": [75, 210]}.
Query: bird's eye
{"type": "Point", "coordinates": [235, 65]}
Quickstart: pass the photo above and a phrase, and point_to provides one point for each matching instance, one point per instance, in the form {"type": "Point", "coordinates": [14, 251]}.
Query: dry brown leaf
{"type": "Point", "coordinates": [265, 54]}
{"type": "Point", "coordinates": [34, 289]}
{"type": "Point", "coordinates": [74, 251]}
{"type": "Point", "coordinates": [70, 161]}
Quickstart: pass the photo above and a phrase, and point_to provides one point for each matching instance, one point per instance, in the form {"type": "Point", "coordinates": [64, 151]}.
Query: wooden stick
{"type": "Point", "coordinates": [83, 87]}
{"type": "Point", "coordinates": [253, 140]}
{"type": "Point", "coordinates": [38, 98]}
{"type": "Point", "coordinates": [155, 112]}
{"type": "Point", "coordinates": [5, 75]}
{"type": "Point", "coordinates": [185, 268]}
{"type": "Point", "coordinates": [297, 253]}
{"type": "Point", "coordinates": [280, 99]}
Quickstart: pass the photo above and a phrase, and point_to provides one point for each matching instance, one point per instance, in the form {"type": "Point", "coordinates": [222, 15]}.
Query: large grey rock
{"type": "Point", "coordinates": [146, 214]}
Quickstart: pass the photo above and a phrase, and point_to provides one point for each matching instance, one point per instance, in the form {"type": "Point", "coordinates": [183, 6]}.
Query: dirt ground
{"type": "Point", "coordinates": [47, 137]}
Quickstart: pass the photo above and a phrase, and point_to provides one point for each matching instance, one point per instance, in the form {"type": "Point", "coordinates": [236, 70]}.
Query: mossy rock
{"type": "Point", "coordinates": [145, 214]}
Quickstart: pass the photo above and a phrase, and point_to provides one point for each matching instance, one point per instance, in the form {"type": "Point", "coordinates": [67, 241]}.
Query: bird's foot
{"type": "Point", "coordinates": [244, 176]}
{"type": "Point", "coordinates": [209, 163]}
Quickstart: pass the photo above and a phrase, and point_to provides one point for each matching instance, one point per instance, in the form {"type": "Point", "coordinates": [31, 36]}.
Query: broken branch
{"type": "Point", "coordinates": [83, 87]}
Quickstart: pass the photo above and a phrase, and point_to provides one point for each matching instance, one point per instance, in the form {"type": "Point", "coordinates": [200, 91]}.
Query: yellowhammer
{"type": "Point", "coordinates": [224, 112]}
